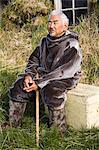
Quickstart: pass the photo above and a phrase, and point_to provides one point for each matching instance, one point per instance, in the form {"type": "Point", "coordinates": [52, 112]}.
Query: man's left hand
{"type": "Point", "coordinates": [29, 86]}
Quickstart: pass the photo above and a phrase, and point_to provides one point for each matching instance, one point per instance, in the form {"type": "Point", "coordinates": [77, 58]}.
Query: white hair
{"type": "Point", "coordinates": [61, 14]}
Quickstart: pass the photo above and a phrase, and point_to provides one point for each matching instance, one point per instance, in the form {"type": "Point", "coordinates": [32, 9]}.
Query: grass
{"type": "Point", "coordinates": [50, 139]}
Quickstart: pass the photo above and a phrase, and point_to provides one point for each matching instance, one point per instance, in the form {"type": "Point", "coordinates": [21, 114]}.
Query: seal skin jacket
{"type": "Point", "coordinates": [55, 59]}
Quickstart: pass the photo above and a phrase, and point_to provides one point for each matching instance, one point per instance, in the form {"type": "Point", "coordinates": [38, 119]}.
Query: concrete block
{"type": "Point", "coordinates": [82, 106]}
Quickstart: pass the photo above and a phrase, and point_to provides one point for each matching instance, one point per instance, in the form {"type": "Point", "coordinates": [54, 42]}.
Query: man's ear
{"type": "Point", "coordinates": [65, 26]}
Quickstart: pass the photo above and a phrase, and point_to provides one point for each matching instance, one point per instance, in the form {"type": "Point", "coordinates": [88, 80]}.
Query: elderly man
{"type": "Point", "coordinates": [57, 59]}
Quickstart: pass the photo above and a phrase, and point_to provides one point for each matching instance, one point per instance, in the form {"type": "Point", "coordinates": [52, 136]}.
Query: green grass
{"type": "Point", "coordinates": [50, 139]}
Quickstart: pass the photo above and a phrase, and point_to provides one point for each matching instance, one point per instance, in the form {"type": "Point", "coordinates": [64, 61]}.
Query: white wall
{"type": "Point", "coordinates": [58, 4]}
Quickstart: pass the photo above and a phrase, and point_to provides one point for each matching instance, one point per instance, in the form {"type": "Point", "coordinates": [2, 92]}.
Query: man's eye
{"type": "Point", "coordinates": [55, 23]}
{"type": "Point", "coordinates": [49, 22]}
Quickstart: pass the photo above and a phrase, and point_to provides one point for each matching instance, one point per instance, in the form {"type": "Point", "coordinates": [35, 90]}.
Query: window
{"type": "Point", "coordinates": [66, 4]}
{"type": "Point", "coordinates": [74, 9]}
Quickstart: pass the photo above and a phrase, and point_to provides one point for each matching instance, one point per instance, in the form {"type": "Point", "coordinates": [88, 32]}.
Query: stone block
{"type": "Point", "coordinates": [82, 106]}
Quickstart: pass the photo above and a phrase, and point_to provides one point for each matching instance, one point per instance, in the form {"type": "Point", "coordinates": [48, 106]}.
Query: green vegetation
{"type": "Point", "coordinates": [19, 35]}
{"type": "Point", "coordinates": [89, 41]}
{"type": "Point", "coordinates": [50, 139]}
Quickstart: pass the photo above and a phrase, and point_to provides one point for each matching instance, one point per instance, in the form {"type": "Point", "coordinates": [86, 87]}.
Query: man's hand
{"type": "Point", "coordinates": [29, 84]}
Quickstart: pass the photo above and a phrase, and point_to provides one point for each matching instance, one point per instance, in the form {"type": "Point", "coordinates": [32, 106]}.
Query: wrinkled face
{"type": "Point", "coordinates": [56, 27]}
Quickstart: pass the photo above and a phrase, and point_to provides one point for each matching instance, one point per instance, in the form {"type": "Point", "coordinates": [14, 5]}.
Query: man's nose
{"type": "Point", "coordinates": [52, 25]}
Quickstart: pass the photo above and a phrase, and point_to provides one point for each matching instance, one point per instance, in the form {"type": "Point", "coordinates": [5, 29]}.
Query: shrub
{"type": "Point", "coordinates": [20, 12]}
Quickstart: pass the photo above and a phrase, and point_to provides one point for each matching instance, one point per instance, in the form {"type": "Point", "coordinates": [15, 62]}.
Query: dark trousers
{"type": "Point", "coordinates": [52, 95]}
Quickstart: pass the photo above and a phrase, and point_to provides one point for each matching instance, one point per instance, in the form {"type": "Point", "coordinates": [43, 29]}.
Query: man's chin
{"type": "Point", "coordinates": [52, 34]}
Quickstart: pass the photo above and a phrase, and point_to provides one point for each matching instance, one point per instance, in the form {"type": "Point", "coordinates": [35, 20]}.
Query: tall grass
{"type": "Point", "coordinates": [89, 41]}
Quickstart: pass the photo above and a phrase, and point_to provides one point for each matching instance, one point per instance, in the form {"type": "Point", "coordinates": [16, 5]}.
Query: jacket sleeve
{"type": "Point", "coordinates": [33, 63]}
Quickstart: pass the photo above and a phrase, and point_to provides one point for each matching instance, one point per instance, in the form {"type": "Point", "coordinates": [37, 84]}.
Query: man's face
{"type": "Point", "coordinates": [56, 27]}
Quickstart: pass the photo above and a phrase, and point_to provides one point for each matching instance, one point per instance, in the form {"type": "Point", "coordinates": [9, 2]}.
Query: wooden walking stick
{"type": "Point", "coordinates": [37, 114]}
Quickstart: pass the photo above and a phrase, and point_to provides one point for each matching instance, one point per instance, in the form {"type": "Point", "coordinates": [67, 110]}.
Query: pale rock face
{"type": "Point", "coordinates": [82, 107]}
